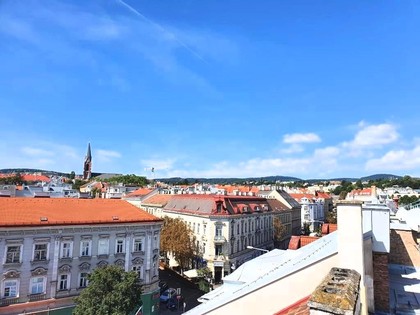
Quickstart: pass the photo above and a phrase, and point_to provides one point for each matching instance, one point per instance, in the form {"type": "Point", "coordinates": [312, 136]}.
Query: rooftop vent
{"type": "Point", "coordinates": [115, 218]}
{"type": "Point", "coordinates": [43, 219]}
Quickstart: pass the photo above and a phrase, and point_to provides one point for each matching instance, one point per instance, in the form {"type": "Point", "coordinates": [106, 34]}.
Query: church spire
{"type": "Point", "coordinates": [87, 166]}
{"type": "Point", "coordinates": [89, 154]}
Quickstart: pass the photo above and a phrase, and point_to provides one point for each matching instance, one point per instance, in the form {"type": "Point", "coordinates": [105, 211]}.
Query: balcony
{"type": "Point", "coordinates": [37, 297]}
{"type": "Point", "coordinates": [219, 239]}
{"type": "Point", "coordinates": [9, 301]}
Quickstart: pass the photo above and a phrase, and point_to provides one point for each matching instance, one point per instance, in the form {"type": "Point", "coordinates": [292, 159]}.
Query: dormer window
{"type": "Point", "coordinates": [219, 207]}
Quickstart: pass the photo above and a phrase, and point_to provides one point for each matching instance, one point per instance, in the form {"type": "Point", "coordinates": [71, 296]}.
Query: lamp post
{"type": "Point", "coordinates": [256, 248]}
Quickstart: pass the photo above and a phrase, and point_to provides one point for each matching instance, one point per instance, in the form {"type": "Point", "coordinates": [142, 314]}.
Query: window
{"type": "Point", "coordinates": [219, 230]}
{"type": "Point", "coordinates": [218, 250]}
{"type": "Point", "coordinates": [198, 228]}
{"type": "Point", "coordinates": [40, 252]}
{"type": "Point", "coordinates": [204, 248]}
{"type": "Point", "coordinates": [204, 229]}
{"type": "Point", "coordinates": [103, 246]}
{"type": "Point", "coordinates": [85, 248]}
{"type": "Point", "coordinates": [83, 280]}
{"type": "Point", "coordinates": [37, 285]}
{"type": "Point", "coordinates": [63, 284]}
{"type": "Point", "coordinates": [13, 253]}
{"type": "Point", "coordinates": [138, 270]}
{"type": "Point", "coordinates": [66, 249]}
{"type": "Point", "coordinates": [138, 245]}
{"type": "Point", "coordinates": [11, 289]}
{"type": "Point", "coordinates": [119, 247]}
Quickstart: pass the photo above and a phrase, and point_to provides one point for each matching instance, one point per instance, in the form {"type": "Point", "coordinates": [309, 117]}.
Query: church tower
{"type": "Point", "coordinates": [87, 167]}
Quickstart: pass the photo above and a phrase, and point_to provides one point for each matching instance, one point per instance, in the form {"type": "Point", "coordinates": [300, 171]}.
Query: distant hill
{"type": "Point", "coordinates": [220, 180]}
{"type": "Point", "coordinates": [31, 170]}
{"type": "Point", "coordinates": [380, 176]}
{"type": "Point", "coordinates": [231, 180]}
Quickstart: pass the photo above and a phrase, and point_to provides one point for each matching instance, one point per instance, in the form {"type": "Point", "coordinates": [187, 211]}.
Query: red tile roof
{"type": "Point", "coordinates": [140, 192]}
{"type": "Point", "coordinates": [361, 192]}
{"type": "Point", "coordinates": [305, 240]}
{"type": "Point", "coordinates": [298, 197]}
{"type": "Point", "coordinates": [298, 308]}
{"type": "Point", "coordinates": [68, 211]}
{"type": "Point", "coordinates": [294, 242]}
{"type": "Point", "coordinates": [328, 228]}
{"type": "Point", "coordinates": [298, 241]}
{"type": "Point", "coordinates": [323, 195]}
{"type": "Point", "coordinates": [29, 177]}
{"type": "Point", "coordinates": [158, 199]}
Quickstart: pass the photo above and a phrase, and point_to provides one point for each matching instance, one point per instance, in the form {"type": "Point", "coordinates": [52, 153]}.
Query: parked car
{"type": "Point", "coordinates": [167, 294]}
{"type": "Point", "coordinates": [172, 303]}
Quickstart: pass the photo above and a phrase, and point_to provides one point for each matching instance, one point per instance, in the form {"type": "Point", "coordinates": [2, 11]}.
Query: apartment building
{"type": "Point", "coordinates": [290, 203]}
{"type": "Point", "coordinates": [312, 212]}
{"type": "Point", "coordinates": [223, 226]}
{"type": "Point", "coordinates": [50, 245]}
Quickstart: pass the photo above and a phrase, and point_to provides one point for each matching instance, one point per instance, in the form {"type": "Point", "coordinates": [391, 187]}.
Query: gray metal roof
{"type": "Point", "coordinates": [265, 269]}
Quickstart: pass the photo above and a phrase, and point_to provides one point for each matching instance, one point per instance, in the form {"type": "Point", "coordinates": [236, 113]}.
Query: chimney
{"type": "Point", "coordinates": [338, 294]}
{"type": "Point", "coordinates": [373, 193]}
{"type": "Point", "coordinates": [350, 242]}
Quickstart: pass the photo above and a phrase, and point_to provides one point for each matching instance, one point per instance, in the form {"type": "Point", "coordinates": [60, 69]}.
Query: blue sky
{"type": "Point", "coordinates": [211, 88]}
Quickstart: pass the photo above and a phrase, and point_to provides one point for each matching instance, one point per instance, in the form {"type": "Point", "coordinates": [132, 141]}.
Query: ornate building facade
{"type": "Point", "coordinates": [49, 246]}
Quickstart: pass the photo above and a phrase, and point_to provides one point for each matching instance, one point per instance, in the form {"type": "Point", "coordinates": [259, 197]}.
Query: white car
{"type": "Point", "coordinates": [167, 294]}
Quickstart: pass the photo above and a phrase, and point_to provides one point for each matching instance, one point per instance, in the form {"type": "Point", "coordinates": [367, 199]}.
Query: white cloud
{"type": "Point", "coordinates": [36, 151]}
{"type": "Point", "coordinates": [374, 135]}
{"type": "Point", "coordinates": [396, 160]}
{"type": "Point", "coordinates": [301, 138]}
{"type": "Point", "coordinates": [106, 155]}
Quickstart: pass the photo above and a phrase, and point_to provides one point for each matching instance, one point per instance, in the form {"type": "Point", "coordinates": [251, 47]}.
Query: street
{"type": "Point", "coordinates": [189, 291]}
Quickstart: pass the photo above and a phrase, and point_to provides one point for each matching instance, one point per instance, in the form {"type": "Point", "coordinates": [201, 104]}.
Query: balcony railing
{"type": "Point", "coordinates": [37, 297]}
{"type": "Point", "coordinates": [219, 239]}
{"type": "Point", "coordinates": [9, 301]}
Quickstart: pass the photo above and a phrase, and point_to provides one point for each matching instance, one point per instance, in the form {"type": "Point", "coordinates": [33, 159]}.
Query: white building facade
{"type": "Point", "coordinates": [49, 254]}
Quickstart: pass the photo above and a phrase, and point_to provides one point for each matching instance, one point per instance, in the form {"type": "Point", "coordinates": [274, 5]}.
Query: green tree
{"type": "Point", "coordinates": [178, 239]}
{"type": "Point", "coordinates": [96, 192]}
{"type": "Point", "coordinates": [331, 217]}
{"type": "Point", "coordinates": [72, 175]}
{"type": "Point", "coordinates": [111, 291]}
{"type": "Point", "coordinates": [279, 231]}
{"type": "Point", "coordinates": [77, 183]}
{"type": "Point", "coordinates": [128, 180]}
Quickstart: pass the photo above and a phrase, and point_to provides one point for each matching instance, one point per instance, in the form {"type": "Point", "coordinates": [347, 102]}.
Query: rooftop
{"type": "Point", "coordinates": [68, 211]}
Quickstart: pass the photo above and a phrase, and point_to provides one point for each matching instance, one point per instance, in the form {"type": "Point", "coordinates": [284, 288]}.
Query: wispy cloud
{"type": "Point", "coordinates": [301, 138]}
{"type": "Point", "coordinates": [167, 34]}
{"type": "Point", "coordinates": [294, 148]}
{"type": "Point", "coordinates": [106, 155]}
{"type": "Point", "coordinates": [36, 151]}
{"type": "Point", "coordinates": [57, 30]}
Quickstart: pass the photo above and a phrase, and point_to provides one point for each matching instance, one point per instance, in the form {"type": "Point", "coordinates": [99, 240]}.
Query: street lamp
{"type": "Point", "coordinates": [256, 248]}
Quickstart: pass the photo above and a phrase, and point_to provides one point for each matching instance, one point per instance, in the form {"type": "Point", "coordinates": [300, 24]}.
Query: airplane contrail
{"type": "Point", "coordinates": [162, 29]}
